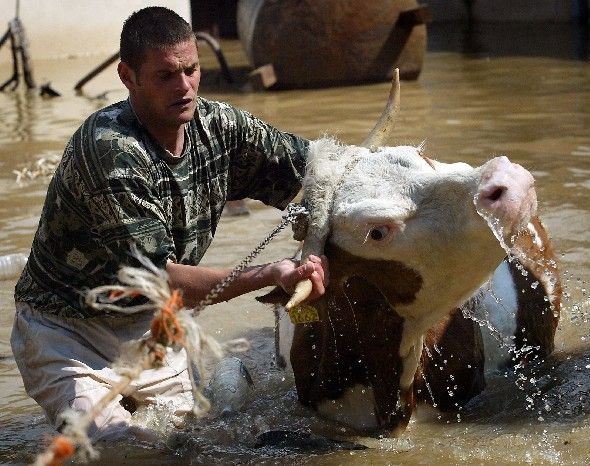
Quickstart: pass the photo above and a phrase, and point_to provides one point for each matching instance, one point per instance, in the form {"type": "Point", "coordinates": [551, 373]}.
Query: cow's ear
{"type": "Point", "coordinates": [276, 296]}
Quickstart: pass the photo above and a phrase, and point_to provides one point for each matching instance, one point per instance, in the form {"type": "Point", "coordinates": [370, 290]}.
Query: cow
{"type": "Point", "coordinates": [410, 241]}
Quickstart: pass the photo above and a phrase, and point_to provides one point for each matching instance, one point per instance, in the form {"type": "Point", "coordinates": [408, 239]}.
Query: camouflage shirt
{"type": "Point", "coordinates": [116, 189]}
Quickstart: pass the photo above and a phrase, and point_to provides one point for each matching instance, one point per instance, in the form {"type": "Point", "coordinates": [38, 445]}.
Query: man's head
{"type": "Point", "coordinates": [160, 67]}
{"type": "Point", "coordinates": [153, 27]}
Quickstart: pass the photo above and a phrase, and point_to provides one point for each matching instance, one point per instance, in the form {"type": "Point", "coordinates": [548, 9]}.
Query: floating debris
{"type": "Point", "coordinates": [42, 168]}
{"type": "Point", "coordinates": [229, 386]}
{"type": "Point", "coordinates": [47, 91]}
{"type": "Point", "coordinates": [11, 265]}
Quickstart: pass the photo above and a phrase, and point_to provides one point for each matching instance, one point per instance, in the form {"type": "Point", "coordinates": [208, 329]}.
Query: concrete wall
{"type": "Point", "coordinates": [63, 28]}
{"type": "Point", "coordinates": [502, 10]}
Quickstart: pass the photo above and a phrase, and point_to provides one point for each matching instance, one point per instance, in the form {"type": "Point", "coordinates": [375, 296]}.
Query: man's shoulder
{"type": "Point", "coordinates": [114, 120]}
{"type": "Point", "coordinates": [112, 128]}
{"type": "Point", "coordinates": [107, 140]}
{"type": "Point", "coordinates": [222, 119]}
{"type": "Point", "coordinates": [213, 108]}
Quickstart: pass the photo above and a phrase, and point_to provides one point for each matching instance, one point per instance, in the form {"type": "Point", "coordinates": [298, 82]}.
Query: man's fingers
{"type": "Point", "coordinates": [316, 270]}
{"type": "Point", "coordinates": [305, 270]}
{"type": "Point", "coordinates": [321, 266]}
{"type": "Point", "coordinates": [310, 267]}
{"type": "Point", "coordinates": [318, 285]}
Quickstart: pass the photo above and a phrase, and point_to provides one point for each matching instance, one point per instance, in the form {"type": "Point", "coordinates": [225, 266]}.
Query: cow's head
{"type": "Point", "coordinates": [408, 239]}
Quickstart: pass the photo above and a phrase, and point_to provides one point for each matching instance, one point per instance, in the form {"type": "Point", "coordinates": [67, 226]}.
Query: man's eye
{"type": "Point", "coordinates": [190, 71]}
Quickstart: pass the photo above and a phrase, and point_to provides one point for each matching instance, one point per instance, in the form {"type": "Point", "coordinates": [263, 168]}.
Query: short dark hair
{"type": "Point", "coordinates": [153, 27]}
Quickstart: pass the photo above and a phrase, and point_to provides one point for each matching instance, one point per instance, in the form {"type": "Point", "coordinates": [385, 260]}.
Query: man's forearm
{"type": "Point", "coordinates": [196, 281]}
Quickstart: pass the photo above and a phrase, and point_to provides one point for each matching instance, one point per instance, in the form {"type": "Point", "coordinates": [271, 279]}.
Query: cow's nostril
{"type": "Point", "coordinates": [496, 194]}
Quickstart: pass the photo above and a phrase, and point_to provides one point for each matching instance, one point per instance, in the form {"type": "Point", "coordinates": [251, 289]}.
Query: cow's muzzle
{"type": "Point", "coordinates": [506, 196]}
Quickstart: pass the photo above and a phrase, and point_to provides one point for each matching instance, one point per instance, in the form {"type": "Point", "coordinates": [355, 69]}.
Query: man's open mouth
{"type": "Point", "coordinates": [182, 102]}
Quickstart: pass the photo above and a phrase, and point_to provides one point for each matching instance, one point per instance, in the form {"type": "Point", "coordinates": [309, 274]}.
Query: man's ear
{"type": "Point", "coordinates": [127, 76]}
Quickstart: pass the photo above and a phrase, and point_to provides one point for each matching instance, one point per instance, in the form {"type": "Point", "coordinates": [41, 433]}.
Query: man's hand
{"type": "Point", "coordinates": [196, 281]}
{"type": "Point", "coordinates": [287, 273]}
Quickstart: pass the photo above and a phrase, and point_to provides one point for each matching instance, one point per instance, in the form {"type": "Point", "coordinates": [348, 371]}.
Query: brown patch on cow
{"type": "Point", "coordinates": [398, 283]}
{"type": "Point", "coordinates": [358, 336]}
{"type": "Point", "coordinates": [452, 363]}
{"type": "Point", "coordinates": [539, 307]}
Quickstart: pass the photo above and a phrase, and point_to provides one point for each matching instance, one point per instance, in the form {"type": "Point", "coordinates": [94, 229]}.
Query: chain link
{"type": "Point", "coordinates": [294, 212]}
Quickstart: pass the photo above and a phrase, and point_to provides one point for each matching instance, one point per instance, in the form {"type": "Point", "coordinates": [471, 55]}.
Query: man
{"type": "Point", "coordinates": [151, 173]}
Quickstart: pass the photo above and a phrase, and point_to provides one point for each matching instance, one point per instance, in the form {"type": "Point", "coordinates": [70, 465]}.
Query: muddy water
{"type": "Point", "coordinates": [535, 110]}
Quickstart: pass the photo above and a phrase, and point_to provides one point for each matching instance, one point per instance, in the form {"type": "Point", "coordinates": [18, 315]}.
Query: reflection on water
{"type": "Point", "coordinates": [529, 39]}
{"type": "Point", "coordinates": [524, 103]}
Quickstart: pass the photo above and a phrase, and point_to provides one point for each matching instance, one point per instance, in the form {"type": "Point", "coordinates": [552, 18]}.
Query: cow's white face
{"type": "Point", "coordinates": [394, 205]}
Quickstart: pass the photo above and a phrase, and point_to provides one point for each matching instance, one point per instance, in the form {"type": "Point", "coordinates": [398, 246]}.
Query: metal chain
{"type": "Point", "coordinates": [293, 212]}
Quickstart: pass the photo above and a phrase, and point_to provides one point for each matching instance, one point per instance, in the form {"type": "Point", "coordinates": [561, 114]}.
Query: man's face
{"type": "Point", "coordinates": [164, 91]}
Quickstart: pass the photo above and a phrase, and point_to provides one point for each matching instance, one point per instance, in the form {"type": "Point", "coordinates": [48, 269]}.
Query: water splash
{"type": "Point", "coordinates": [426, 384]}
{"type": "Point", "coordinates": [496, 226]}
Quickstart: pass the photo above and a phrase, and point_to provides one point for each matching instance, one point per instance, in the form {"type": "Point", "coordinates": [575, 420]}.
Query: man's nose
{"type": "Point", "coordinates": [184, 82]}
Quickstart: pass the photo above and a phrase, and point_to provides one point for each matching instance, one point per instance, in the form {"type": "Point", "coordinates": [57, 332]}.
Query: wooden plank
{"type": "Point", "coordinates": [414, 17]}
{"type": "Point", "coordinates": [262, 77]}
{"type": "Point", "coordinates": [23, 45]}
{"type": "Point", "coordinates": [113, 58]}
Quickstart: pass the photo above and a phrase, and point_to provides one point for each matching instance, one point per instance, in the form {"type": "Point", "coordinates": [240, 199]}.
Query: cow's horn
{"type": "Point", "coordinates": [318, 225]}
{"type": "Point", "coordinates": [381, 132]}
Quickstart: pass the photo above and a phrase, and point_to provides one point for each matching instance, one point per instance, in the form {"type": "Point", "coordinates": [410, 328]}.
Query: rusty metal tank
{"type": "Point", "coordinates": [319, 43]}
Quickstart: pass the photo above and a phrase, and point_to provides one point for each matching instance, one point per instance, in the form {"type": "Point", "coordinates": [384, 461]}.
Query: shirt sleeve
{"type": "Point", "coordinates": [266, 164]}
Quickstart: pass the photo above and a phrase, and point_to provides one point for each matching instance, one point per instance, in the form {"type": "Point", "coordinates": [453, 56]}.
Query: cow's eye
{"type": "Point", "coordinates": [379, 233]}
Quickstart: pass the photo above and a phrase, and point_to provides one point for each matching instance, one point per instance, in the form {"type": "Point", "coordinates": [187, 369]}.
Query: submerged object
{"type": "Point", "coordinates": [11, 265]}
{"type": "Point", "coordinates": [229, 386]}
{"type": "Point", "coordinates": [47, 91]}
{"type": "Point", "coordinates": [302, 442]}
{"type": "Point", "coordinates": [333, 42]}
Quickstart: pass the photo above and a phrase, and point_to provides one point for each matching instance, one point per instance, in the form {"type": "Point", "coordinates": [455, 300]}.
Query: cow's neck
{"type": "Point", "coordinates": [355, 346]}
